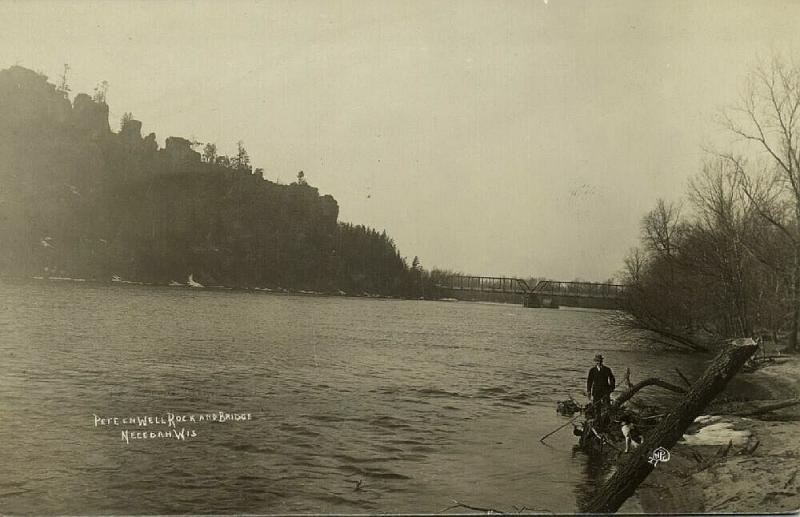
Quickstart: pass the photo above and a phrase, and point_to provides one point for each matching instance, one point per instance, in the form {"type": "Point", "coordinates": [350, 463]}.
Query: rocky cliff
{"type": "Point", "coordinates": [78, 199]}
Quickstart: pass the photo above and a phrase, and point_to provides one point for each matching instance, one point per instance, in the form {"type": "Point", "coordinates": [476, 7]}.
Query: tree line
{"type": "Point", "coordinates": [725, 261]}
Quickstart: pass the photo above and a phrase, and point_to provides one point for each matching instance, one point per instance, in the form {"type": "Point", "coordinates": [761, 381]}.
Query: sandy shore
{"type": "Point", "coordinates": [698, 479]}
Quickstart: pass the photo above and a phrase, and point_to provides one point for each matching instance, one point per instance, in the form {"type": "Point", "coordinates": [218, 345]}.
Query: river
{"type": "Point", "coordinates": [355, 405]}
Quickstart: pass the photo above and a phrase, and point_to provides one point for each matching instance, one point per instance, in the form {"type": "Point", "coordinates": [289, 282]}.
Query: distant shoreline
{"type": "Point", "coordinates": [265, 290]}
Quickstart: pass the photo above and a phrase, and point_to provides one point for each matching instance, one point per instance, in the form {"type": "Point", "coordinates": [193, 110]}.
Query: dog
{"type": "Point", "coordinates": [632, 436]}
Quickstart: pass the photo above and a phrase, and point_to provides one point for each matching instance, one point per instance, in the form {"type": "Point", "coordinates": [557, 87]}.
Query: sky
{"type": "Point", "coordinates": [499, 138]}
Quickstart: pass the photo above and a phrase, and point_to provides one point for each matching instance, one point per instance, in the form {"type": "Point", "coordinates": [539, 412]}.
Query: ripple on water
{"type": "Point", "coordinates": [408, 397]}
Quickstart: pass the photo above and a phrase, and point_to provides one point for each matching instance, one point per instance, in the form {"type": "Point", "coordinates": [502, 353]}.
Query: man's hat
{"type": "Point", "coordinates": [598, 357]}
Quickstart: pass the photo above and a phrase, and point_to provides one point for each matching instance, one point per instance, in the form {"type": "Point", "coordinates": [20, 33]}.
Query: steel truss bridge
{"type": "Point", "coordinates": [546, 293]}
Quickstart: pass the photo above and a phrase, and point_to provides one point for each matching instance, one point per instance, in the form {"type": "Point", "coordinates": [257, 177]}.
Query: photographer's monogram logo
{"type": "Point", "coordinates": [659, 455]}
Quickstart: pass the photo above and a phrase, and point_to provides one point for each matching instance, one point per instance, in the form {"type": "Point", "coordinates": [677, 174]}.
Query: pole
{"type": "Point", "coordinates": [560, 427]}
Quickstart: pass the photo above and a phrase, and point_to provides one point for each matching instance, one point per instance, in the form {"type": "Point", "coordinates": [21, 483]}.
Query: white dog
{"type": "Point", "coordinates": [632, 437]}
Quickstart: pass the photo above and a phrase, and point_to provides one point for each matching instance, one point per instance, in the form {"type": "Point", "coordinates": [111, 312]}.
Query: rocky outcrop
{"type": "Point", "coordinates": [179, 153]}
{"type": "Point", "coordinates": [29, 103]}
{"type": "Point", "coordinates": [150, 144]}
{"type": "Point", "coordinates": [131, 130]}
{"type": "Point", "coordinates": [329, 210]}
{"type": "Point", "coordinates": [90, 116]}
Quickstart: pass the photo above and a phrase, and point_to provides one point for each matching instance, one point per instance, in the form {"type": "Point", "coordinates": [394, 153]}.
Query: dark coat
{"type": "Point", "coordinates": [600, 383]}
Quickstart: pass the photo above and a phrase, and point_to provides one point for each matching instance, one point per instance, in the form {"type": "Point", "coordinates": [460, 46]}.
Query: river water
{"type": "Point", "coordinates": [355, 405]}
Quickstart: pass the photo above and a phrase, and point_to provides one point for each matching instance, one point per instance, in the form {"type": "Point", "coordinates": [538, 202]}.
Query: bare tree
{"type": "Point", "coordinates": [720, 234]}
{"type": "Point", "coordinates": [661, 228]}
{"type": "Point", "coordinates": [662, 232]}
{"type": "Point", "coordinates": [635, 264]}
{"type": "Point", "coordinates": [661, 289]}
{"type": "Point", "coordinates": [768, 119]}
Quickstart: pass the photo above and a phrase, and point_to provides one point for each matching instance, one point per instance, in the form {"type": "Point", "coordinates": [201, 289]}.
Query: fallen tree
{"type": "Point", "coordinates": [638, 319]}
{"type": "Point", "coordinates": [652, 381]}
{"type": "Point", "coordinates": [666, 434]}
{"type": "Point", "coordinates": [769, 407]}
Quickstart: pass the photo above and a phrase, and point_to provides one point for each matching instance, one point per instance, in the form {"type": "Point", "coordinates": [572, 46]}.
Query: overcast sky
{"type": "Point", "coordinates": [521, 138]}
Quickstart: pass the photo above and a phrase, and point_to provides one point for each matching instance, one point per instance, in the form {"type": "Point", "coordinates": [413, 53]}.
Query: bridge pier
{"type": "Point", "coordinates": [537, 301]}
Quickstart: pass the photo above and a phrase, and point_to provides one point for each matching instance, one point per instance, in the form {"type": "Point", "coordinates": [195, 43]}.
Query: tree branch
{"type": "Point", "coordinates": [652, 381]}
{"type": "Point", "coordinates": [768, 408]}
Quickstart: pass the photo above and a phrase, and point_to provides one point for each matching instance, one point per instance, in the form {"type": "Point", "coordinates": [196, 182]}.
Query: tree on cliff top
{"type": "Point", "coordinates": [210, 153]}
{"type": "Point", "coordinates": [125, 120]}
{"type": "Point", "coordinates": [241, 161]}
{"type": "Point", "coordinates": [100, 92]}
{"type": "Point", "coordinates": [63, 87]}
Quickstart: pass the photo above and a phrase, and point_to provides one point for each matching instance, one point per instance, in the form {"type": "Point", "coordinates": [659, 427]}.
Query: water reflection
{"type": "Point", "coordinates": [597, 468]}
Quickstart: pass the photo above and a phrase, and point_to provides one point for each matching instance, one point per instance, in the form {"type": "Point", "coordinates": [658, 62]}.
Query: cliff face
{"type": "Point", "coordinates": [77, 199]}
{"type": "Point", "coordinates": [29, 103]}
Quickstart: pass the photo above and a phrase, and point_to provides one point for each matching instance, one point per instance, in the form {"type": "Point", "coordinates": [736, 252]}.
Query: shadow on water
{"type": "Point", "coordinates": [597, 468]}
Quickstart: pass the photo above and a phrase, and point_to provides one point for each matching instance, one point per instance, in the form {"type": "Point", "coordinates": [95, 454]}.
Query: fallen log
{"type": "Point", "coordinates": [652, 381]}
{"type": "Point", "coordinates": [666, 434]}
{"type": "Point", "coordinates": [770, 407]}
{"type": "Point", "coordinates": [768, 357]}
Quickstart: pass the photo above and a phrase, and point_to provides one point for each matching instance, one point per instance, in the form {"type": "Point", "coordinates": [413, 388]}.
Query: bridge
{"type": "Point", "coordinates": [485, 284]}
{"type": "Point", "coordinates": [546, 293]}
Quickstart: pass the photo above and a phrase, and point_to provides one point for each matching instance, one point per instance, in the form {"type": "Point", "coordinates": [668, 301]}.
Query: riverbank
{"type": "Point", "coordinates": [191, 285]}
{"type": "Point", "coordinates": [701, 477]}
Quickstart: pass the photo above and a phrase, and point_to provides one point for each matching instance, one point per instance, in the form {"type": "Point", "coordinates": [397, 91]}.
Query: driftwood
{"type": "Point", "coordinates": [491, 511]}
{"type": "Point", "coordinates": [724, 452]}
{"type": "Point", "coordinates": [456, 504]}
{"type": "Point", "coordinates": [666, 434]}
{"type": "Point", "coordinates": [770, 407]}
{"type": "Point", "coordinates": [652, 381]}
{"type": "Point", "coordinates": [750, 450]}
{"type": "Point", "coordinates": [771, 357]}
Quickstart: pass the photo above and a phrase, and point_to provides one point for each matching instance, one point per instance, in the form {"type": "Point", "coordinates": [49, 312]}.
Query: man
{"type": "Point", "coordinates": [599, 384]}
